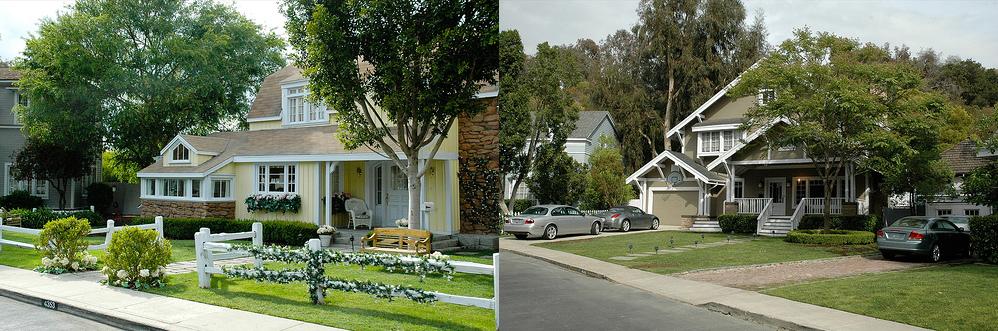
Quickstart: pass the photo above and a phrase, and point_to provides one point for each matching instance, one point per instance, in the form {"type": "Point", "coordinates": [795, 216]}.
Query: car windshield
{"type": "Point", "coordinates": [910, 223]}
{"type": "Point", "coordinates": [535, 211]}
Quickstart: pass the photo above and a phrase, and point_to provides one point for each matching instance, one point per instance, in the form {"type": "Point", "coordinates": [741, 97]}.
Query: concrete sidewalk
{"type": "Point", "coordinates": [752, 305]}
{"type": "Point", "coordinates": [81, 294]}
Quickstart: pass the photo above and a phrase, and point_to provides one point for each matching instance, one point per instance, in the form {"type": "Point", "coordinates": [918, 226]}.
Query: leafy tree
{"type": "Point", "coordinates": [115, 171]}
{"type": "Point", "coordinates": [399, 73]}
{"type": "Point", "coordinates": [845, 102]}
{"type": "Point", "coordinates": [606, 185]}
{"type": "Point", "coordinates": [987, 129]}
{"type": "Point", "coordinates": [132, 74]}
{"type": "Point", "coordinates": [689, 49]}
{"type": "Point", "coordinates": [556, 177]}
{"type": "Point", "coordinates": [513, 113]}
{"type": "Point", "coordinates": [543, 114]}
{"type": "Point", "coordinates": [59, 164]}
{"type": "Point", "coordinates": [981, 186]}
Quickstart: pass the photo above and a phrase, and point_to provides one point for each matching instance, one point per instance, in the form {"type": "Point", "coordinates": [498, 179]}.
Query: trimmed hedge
{"type": "Point", "coordinates": [830, 237]}
{"type": "Point", "coordinates": [855, 223]}
{"type": "Point", "coordinates": [984, 237]}
{"type": "Point", "coordinates": [291, 233]}
{"type": "Point", "coordinates": [738, 223]}
{"type": "Point", "coordinates": [20, 200]}
{"type": "Point", "coordinates": [37, 219]}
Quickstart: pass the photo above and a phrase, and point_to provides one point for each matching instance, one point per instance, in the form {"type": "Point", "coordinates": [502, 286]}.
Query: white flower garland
{"type": "Point", "coordinates": [314, 272]}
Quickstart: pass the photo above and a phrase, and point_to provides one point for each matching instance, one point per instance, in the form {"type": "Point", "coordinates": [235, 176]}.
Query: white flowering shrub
{"type": "Point", "coordinates": [326, 230]}
{"type": "Point", "coordinates": [136, 258]}
{"type": "Point", "coordinates": [65, 246]}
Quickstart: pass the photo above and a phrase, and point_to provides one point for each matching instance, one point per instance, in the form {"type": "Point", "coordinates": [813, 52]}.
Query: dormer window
{"type": "Point", "coordinates": [181, 154]}
{"type": "Point", "coordinates": [297, 109]}
{"type": "Point", "coordinates": [766, 96]}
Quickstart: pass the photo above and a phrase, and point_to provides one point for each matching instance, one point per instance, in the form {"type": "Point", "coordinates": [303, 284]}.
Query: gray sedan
{"type": "Point", "coordinates": [625, 218]}
{"type": "Point", "coordinates": [549, 221]}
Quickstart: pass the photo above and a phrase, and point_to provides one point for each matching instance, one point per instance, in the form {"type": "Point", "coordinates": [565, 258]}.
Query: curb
{"type": "Point", "coordinates": [754, 317]}
{"type": "Point", "coordinates": [102, 318]}
{"type": "Point", "coordinates": [562, 265]}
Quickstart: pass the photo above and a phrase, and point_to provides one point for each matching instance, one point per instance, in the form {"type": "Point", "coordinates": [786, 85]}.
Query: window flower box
{"type": "Point", "coordinates": [283, 202]}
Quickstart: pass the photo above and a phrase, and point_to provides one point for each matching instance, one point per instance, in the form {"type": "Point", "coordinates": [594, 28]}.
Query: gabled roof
{"type": "Point", "coordinates": [689, 164]}
{"type": "Point", "coordinates": [206, 144]}
{"type": "Point", "coordinates": [699, 111]}
{"type": "Point", "coordinates": [588, 122]}
{"type": "Point", "coordinates": [744, 142]}
{"type": "Point", "coordinates": [6, 73]}
{"type": "Point", "coordinates": [963, 157]}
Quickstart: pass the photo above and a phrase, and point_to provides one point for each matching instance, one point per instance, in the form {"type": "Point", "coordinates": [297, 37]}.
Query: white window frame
{"type": "Point", "coordinates": [288, 184]}
{"type": "Point", "coordinates": [944, 212]}
{"type": "Point", "coordinates": [734, 191]}
{"type": "Point", "coordinates": [173, 154]}
{"type": "Point", "coordinates": [308, 109]}
{"type": "Point", "coordinates": [760, 98]}
{"type": "Point", "coordinates": [228, 188]}
{"type": "Point", "coordinates": [721, 147]}
{"type": "Point", "coordinates": [184, 192]}
{"type": "Point", "coordinates": [972, 212]}
{"type": "Point", "coordinates": [838, 194]}
{"type": "Point", "coordinates": [28, 185]}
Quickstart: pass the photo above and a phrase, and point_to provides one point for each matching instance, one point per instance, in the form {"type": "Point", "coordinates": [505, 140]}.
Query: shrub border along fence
{"type": "Point", "coordinates": [107, 231]}
{"type": "Point", "coordinates": [837, 237]}
{"type": "Point", "coordinates": [209, 248]}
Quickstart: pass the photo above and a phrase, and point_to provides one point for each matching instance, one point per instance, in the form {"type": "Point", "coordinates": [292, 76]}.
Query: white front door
{"type": "Point", "coordinates": [776, 189]}
{"type": "Point", "coordinates": [391, 194]}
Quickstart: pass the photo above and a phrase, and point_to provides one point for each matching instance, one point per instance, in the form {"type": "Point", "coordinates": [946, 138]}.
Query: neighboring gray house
{"type": "Point", "coordinates": [582, 142]}
{"type": "Point", "coordinates": [12, 140]}
{"type": "Point", "coordinates": [963, 158]}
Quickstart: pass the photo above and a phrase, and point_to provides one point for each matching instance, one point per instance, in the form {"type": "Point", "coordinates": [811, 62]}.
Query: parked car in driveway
{"type": "Point", "coordinates": [625, 218]}
{"type": "Point", "coordinates": [550, 221]}
{"type": "Point", "coordinates": [934, 237]}
{"type": "Point", "coordinates": [962, 222]}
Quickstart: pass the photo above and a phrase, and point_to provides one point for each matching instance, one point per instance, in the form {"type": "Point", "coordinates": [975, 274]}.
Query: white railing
{"type": "Point", "coordinates": [813, 206]}
{"type": "Point", "coordinates": [751, 205]}
{"type": "Point", "coordinates": [108, 230]}
{"type": "Point", "coordinates": [797, 216]}
{"type": "Point", "coordinates": [764, 215]}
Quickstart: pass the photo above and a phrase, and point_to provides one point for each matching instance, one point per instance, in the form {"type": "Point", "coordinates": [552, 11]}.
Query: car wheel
{"type": "Point", "coordinates": [625, 226]}
{"type": "Point", "coordinates": [936, 254]}
{"type": "Point", "coordinates": [594, 230]}
{"type": "Point", "coordinates": [654, 224]}
{"type": "Point", "coordinates": [888, 255]}
{"type": "Point", "coordinates": [520, 236]}
{"type": "Point", "coordinates": [550, 232]}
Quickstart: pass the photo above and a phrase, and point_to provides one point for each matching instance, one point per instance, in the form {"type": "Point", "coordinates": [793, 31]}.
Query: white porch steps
{"type": "Point", "coordinates": [776, 226]}
{"type": "Point", "coordinates": [705, 226]}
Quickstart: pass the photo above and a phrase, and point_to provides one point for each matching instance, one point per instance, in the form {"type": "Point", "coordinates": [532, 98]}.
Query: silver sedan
{"type": "Point", "coordinates": [549, 221]}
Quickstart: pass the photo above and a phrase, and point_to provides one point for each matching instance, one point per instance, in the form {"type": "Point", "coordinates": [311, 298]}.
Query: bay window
{"type": "Point", "coordinates": [174, 187]}
{"type": "Point", "coordinates": [277, 178]}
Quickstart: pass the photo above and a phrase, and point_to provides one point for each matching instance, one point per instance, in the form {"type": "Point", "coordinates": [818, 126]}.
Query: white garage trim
{"type": "Point", "coordinates": [651, 196]}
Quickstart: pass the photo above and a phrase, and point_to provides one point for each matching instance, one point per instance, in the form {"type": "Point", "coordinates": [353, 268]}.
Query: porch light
{"type": "Point", "coordinates": [360, 171]}
{"type": "Point", "coordinates": [759, 185]}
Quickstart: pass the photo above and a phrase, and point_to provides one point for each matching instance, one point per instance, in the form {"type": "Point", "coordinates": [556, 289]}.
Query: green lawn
{"type": "Point", "coordinates": [354, 311]}
{"type": "Point", "coordinates": [960, 297]}
{"type": "Point", "coordinates": [183, 250]}
{"type": "Point", "coordinates": [761, 250]}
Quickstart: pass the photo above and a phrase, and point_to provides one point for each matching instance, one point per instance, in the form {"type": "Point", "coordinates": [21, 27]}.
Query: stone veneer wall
{"type": "Point", "coordinates": [188, 208]}
{"type": "Point", "coordinates": [480, 186]}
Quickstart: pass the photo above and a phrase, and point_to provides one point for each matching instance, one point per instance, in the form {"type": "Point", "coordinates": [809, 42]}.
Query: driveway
{"type": "Point", "coordinates": [763, 276]}
{"type": "Point", "coordinates": [536, 295]}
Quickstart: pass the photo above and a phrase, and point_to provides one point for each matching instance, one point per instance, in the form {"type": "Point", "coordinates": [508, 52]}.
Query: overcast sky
{"type": "Point", "coordinates": [962, 28]}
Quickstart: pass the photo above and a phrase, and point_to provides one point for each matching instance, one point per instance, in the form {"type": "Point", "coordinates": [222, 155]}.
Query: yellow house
{"type": "Point", "coordinates": [291, 149]}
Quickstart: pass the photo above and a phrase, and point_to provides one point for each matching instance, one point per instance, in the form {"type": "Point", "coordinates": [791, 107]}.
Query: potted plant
{"type": "Point", "coordinates": [402, 223]}
{"type": "Point", "coordinates": [326, 235]}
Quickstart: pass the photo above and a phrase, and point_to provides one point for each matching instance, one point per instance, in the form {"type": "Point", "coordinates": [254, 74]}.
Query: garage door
{"type": "Point", "coordinates": [671, 206]}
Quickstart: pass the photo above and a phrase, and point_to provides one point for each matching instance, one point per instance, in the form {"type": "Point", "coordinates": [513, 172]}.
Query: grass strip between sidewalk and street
{"type": "Point", "coordinates": [944, 297]}
{"type": "Point", "coordinates": [759, 250]}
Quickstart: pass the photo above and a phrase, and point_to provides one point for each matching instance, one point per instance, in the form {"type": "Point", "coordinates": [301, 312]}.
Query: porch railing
{"type": "Point", "coordinates": [814, 206]}
{"type": "Point", "coordinates": [751, 205]}
{"type": "Point", "coordinates": [767, 209]}
{"type": "Point", "coordinates": [798, 215]}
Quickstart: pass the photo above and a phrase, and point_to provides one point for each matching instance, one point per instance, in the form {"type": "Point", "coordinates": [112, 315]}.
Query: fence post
{"type": "Point", "coordinates": [258, 242]}
{"type": "Point", "coordinates": [315, 246]}
{"type": "Point", "coordinates": [159, 226]}
{"type": "Point", "coordinates": [1, 234]}
{"type": "Point", "coordinates": [495, 287]}
{"type": "Point", "coordinates": [204, 279]}
{"type": "Point", "coordinates": [107, 235]}
{"type": "Point", "coordinates": [91, 207]}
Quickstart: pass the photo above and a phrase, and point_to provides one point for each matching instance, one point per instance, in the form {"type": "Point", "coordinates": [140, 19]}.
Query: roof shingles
{"type": "Point", "coordinates": [962, 157]}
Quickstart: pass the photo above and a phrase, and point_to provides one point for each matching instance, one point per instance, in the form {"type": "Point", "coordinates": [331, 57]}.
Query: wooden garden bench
{"type": "Point", "coordinates": [13, 221]}
{"type": "Point", "coordinates": [397, 241]}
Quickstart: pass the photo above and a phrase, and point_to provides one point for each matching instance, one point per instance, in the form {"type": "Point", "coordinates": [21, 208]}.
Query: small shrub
{"type": "Point", "coordinates": [37, 219]}
{"type": "Point", "coordinates": [292, 233]}
{"type": "Point", "coordinates": [136, 258]}
{"type": "Point", "coordinates": [830, 237]}
{"type": "Point", "coordinates": [738, 223]}
{"type": "Point", "coordinates": [984, 237]}
{"type": "Point", "coordinates": [839, 222]}
{"type": "Point", "coordinates": [20, 200]}
{"type": "Point", "coordinates": [101, 196]}
{"type": "Point", "coordinates": [65, 246]}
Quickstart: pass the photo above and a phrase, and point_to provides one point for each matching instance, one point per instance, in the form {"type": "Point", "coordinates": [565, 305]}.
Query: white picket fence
{"type": "Point", "coordinates": [108, 230]}
{"type": "Point", "coordinates": [210, 248]}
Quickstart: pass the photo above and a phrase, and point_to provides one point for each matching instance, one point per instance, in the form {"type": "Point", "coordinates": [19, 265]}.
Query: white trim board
{"type": "Point", "coordinates": [675, 160]}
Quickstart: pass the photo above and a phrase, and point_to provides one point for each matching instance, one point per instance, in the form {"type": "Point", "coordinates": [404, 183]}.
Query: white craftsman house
{"type": "Point", "coordinates": [719, 167]}
{"type": "Point", "coordinates": [963, 158]}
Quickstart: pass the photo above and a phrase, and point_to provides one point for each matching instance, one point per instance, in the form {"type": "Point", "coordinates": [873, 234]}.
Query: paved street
{"type": "Point", "coordinates": [536, 295]}
{"type": "Point", "coordinates": [16, 315]}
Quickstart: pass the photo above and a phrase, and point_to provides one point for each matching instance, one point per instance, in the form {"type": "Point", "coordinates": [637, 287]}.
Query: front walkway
{"type": "Point", "coordinates": [783, 312]}
{"type": "Point", "coordinates": [82, 294]}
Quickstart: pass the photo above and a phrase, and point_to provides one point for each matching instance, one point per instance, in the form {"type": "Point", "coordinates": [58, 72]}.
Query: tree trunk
{"type": "Point", "coordinates": [667, 123]}
{"type": "Point", "coordinates": [827, 210]}
{"type": "Point", "coordinates": [415, 208]}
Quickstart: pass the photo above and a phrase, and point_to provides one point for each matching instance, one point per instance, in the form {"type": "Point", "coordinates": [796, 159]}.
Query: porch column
{"type": "Point", "coordinates": [423, 223]}
{"type": "Point", "coordinates": [700, 198]}
{"type": "Point", "coordinates": [645, 199]}
{"type": "Point", "coordinates": [315, 211]}
{"type": "Point", "coordinates": [730, 190]}
{"type": "Point", "coordinates": [852, 182]}
{"type": "Point", "coordinates": [448, 207]}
